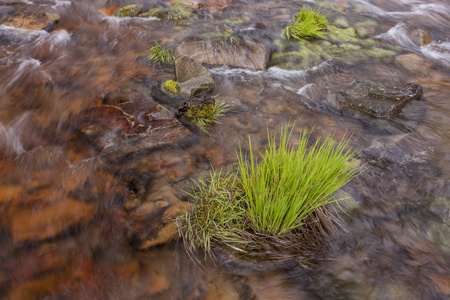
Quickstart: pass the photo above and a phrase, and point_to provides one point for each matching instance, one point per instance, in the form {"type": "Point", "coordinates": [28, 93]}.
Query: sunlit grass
{"type": "Point", "coordinates": [278, 197]}
{"type": "Point", "coordinates": [308, 24]}
{"type": "Point", "coordinates": [160, 55]}
{"type": "Point", "coordinates": [172, 86]}
{"type": "Point", "coordinates": [175, 13]}
{"type": "Point", "coordinates": [218, 215]}
{"type": "Point", "coordinates": [289, 182]}
{"type": "Point", "coordinates": [207, 118]}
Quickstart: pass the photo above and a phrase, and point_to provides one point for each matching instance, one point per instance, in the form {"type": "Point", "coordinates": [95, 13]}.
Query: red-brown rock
{"type": "Point", "coordinates": [43, 21]}
{"type": "Point", "coordinates": [40, 224]}
{"type": "Point", "coordinates": [247, 55]}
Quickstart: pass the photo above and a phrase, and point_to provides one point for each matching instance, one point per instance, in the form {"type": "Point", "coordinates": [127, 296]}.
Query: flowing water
{"type": "Point", "coordinates": [66, 195]}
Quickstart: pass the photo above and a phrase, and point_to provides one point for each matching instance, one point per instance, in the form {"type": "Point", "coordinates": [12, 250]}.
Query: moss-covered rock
{"type": "Point", "coordinates": [341, 22]}
{"type": "Point", "coordinates": [202, 111]}
{"type": "Point", "coordinates": [131, 10]}
{"type": "Point", "coordinates": [337, 34]}
{"type": "Point", "coordinates": [342, 43]}
{"type": "Point", "coordinates": [366, 28]}
{"type": "Point", "coordinates": [171, 86]}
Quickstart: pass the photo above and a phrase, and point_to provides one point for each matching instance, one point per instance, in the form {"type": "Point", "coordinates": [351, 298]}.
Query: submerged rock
{"type": "Point", "coordinates": [414, 63]}
{"type": "Point", "coordinates": [32, 224]}
{"type": "Point", "coordinates": [379, 100]}
{"type": "Point", "coordinates": [341, 43]}
{"type": "Point", "coordinates": [138, 117]}
{"type": "Point", "coordinates": [241, 55]}
{"type": "Point", "coordinates": [420, 37]}
{"type": "Point", "coordinates": [157, 227]}
{"type": "Point", "coordinates": [196, 86]}
{"type": "Point", "coordinates": [42, 21]}
{"type": "Point", "coordinates": [197, 107]}
{"type": "Point", "coordinates": [131, 10]}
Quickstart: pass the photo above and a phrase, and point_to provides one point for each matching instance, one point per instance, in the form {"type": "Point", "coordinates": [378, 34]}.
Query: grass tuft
{"type": "Point", "coordinates": [309, 24]}
{"type": "Point", "coordinates": [290, 183]}
{"type": "Point", "coordinates": [177, 12]}
{"type": "Point", "coordinates": [160, 55]}
{"type": "Point", "coordinates": [207, 117]}
{"type": "Point", "coordinates": [274, 202]}
{"type": "Point", "coordinates": [218, 215]}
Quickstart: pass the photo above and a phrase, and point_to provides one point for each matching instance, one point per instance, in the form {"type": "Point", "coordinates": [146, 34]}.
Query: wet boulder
{"type": "Point", "coordinates": [40, 21]}
{"type": "Point", "coordinates": [196, 86]}
{"type": "Point", "coordinates": [189, 4]}
{"type": "Point", "coordinates": [131, 10]}
{"type": "Point", "coordinates": [194, 79]}
{"type": "Point", "coordinates": [197, 107]}
{"type": "Point", "coordinates": [246, 54]}
{"type": "Point", "coordinates": [186, 68]}
{"type": "Point", "coordinates": [132, 118]}
{"type": "Point", "coordinates": [35, 225]}
{"type": "Point", "coordinates": [420, 37]}
{"type": "Point", "coordinates": [155, 227]}
{"type": "Point", "coordinates": [379, 100]}
{"type": "Point", "coordinates": [414, 63]}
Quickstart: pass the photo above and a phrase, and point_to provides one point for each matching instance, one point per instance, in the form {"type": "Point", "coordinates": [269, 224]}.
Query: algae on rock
{"type": "Point", "coordinates": [131, 10]}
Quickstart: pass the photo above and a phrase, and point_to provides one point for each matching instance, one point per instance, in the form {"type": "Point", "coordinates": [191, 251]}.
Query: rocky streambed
{"type": "Point", "coordinates": [95, 157]}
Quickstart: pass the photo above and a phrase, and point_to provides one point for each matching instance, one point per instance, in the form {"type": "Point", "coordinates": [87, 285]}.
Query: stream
{"type": "Point", "coordinates": [83, 189]}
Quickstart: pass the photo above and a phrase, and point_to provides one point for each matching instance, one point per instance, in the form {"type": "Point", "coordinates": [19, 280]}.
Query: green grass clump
{"type": "Point", "coordinates": [177, 12]}
{"type": "Point", "coordinates": [172, 86]}
{"type": "Point", "coordinates": [218, 215]}
{"type": "Point", "coordinates": [128, 11]}
{"type": "Point", "coordinates": [160, 55]}
{"type": "Point", "coordinates": [180, 12]}
{"type": "Point", "coordinates": [290, 183]}
{"type": "Point", "coordinates": [208, 115]}
{"type": "Point", "coordinates": [308, 24]}
{"type": "Point", "coordinates": [277, 199]}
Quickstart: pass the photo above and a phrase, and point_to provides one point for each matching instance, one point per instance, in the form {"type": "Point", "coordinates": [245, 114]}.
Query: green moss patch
{"type": "Point", "coordinates": [128, 11]}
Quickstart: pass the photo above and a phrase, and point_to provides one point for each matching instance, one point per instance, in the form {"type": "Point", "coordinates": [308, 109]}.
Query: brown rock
{"type": "Point", "coordinates": [33, 289]}
{"type": "Point", "coordinates": [442, 282]}
{"type": "Point", "coordinates": [420, 37]}
{"type": "Point", "coordinates": [40, 224]}
{"type": "Point", "coordinates": [44, 21]}
{"type": "Point", "coordinates": [31, 263]}
{"type": "Point", "coordinates": [130, 118]}
{"type": "Point", "coordinates": [158, 283]}
{"type": "Point", "coordinates": [189, 4]}
{"type": "Point", "coordinates": [196, 86]}
{"type": "Point", "coordinates": [156, 228]}
{"type": "Point", "coordinates": [247, 55]}
{"type": "Point", "coordinates": [108, 11]}
{"type": "Point", "coordinates": [186, 68]}
{"type": "Point", "coordinates": [217, 4]}
{"type": "Point", "coordinates": [11, 194]}
{"type": "Point", "coordinates": [128, 272]}
{"type": "Point", "coordinates": [379, 100]}
{"type": "Point", "coordinates": [413, 63]}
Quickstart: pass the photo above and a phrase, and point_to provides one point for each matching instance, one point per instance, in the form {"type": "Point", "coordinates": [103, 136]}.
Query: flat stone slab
{"type": "Point", "coordinates": [131, 118]}
{"type": "Point", "coordinates": [379, 100]}
{"type": "Point", "coordinates": [244, 55]}
{"type": "Point", "coordinates": [41, 21]}
{"type": "Point", "coordinates": [186, 69]}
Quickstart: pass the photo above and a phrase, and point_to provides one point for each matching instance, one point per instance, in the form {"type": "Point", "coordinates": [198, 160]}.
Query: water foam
{"type": "Point", "coordinates": [438, 51]}
{"type": "Point", "coordinates": [10, 135]}
{"type": "Point", "coordinates": [26, 65]}
{"type": "Point", "coordinates": [270, 73]}
{"type": "Point", "coordinates": [399, 35]}
{"type": "Point", "coordinates": [56, 39]}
